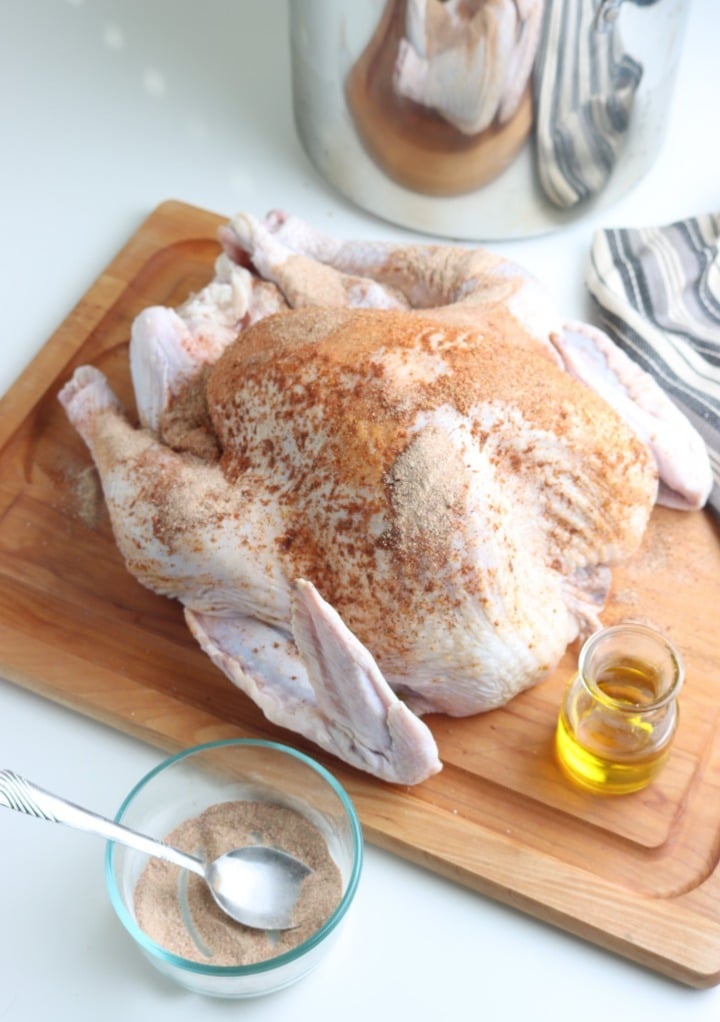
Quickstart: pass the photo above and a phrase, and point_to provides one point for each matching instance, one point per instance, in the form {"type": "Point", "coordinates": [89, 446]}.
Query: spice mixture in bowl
{"type": "Point", "coordinates": [205, 801]}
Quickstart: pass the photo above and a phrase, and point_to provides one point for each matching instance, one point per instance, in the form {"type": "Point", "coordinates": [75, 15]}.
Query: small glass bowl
{"type": "Point", "coordinates": [237, 769]}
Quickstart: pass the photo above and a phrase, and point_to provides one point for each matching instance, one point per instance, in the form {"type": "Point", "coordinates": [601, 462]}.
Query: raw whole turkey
{"type": "Point", "coordinates": [377, 479]}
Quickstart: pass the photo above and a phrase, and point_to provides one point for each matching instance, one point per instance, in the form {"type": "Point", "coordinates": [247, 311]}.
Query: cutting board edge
{"type": "Point", "coordinates": [639, 935]}
{"type": "Point", "coordinates": [161, 227]}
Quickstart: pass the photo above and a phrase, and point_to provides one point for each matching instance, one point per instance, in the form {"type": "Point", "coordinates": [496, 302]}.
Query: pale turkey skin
{"type": "Point", "coordinates": [470, 62]}
{"type": "Point", "coordinates": [389, 512]}
{"type": "Point", "coordinates": [415, 477]}
{"type": "Point", "coordinates": [371, 512]}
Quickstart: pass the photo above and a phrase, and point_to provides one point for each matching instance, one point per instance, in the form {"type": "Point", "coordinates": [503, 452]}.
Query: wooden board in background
{"type": "Point", "coordinates": [637, 875]}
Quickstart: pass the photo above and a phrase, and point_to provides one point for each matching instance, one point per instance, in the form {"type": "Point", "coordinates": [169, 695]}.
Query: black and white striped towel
{"type": "Point", "coordinates": [585, 85]}
{"type": "Point", "coordinates": [658, 289]}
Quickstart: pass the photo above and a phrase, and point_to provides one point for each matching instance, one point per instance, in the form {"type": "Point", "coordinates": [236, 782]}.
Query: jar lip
{"type": "Point", "coordinates": [637, 628]}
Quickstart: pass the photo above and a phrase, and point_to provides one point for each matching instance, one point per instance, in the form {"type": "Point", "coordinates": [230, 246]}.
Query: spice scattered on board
{"type": "Point", "coordinates": [176, 910]}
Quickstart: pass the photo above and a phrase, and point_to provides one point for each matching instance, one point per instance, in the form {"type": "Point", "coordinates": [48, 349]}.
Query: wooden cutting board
{"type": "Point", "coordinates": [637, 875]}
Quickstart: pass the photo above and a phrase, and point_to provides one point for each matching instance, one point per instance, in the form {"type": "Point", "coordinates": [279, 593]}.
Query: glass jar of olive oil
{"type": "Point", "coordinates": [619, 714]}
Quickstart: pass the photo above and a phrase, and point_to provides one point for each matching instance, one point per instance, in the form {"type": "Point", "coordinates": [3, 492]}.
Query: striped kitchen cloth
{"type": "Point", "coordinates": [585, 85]}
{"type": "Point", "coordinates": [658, 290]}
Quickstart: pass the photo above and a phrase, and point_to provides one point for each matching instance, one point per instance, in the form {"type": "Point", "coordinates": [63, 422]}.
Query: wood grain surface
{"type": "Point", "coordinates": [637, 875]}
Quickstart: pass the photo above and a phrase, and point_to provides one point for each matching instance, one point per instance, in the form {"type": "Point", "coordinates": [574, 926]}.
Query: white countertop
{"type": "Point", "coordinates": [107, 109]}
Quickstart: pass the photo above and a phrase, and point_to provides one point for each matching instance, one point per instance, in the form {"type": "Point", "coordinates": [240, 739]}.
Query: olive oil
{"type": "Point", "coordinates": [619, 714]}
{"type": "Point", "coordinates": [611, 754]}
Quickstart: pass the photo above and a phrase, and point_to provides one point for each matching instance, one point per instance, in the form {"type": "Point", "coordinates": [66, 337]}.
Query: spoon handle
{"type": "Point", "coordinates": [25, 797]}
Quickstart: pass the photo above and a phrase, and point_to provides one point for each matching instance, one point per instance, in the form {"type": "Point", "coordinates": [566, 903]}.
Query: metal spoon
{"type": "Point", "coordinates": [255, 885]}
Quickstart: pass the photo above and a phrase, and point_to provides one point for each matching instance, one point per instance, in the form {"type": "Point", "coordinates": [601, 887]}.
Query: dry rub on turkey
{"type": "Point", "coordinates": [373, 513]}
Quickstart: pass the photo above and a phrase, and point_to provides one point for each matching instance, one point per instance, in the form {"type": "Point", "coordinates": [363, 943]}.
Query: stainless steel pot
{"type": "Point", "coordinates": [483, 119]}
